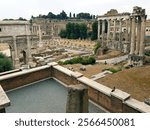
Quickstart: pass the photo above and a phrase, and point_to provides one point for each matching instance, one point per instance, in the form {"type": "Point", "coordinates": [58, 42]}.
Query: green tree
{"type": "Point", "coordinates": [51, 15]}
{"type": "Point", "coordinates": [74, 31]}
{"type": "Point", "coordinates": [83, 31]}
{"type": "Point", "coordinates": [74, 15]}
{"type": "Point", "coordinates": [63, 34]}
{"type": "Point", "coordinates": [94, 30]}
{"type": "Point", "coordinates": [70, 15]}
{"type": "Point", "coordinates": [63, 15]}
{"type": "Point", "coordinates": [5, 63]}
{"type": "Point", "coordinates": [84, 16]}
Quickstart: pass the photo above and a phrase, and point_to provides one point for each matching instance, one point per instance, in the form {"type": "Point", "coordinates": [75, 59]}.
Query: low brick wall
{"type": "Point", "coordinates": [20, 79]}
{"type": "Point", "coordinates": [64, 75]}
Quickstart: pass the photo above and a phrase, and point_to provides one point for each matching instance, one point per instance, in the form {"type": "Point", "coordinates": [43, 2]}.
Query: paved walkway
{"type": "Point", "coordinates": [113, 60]}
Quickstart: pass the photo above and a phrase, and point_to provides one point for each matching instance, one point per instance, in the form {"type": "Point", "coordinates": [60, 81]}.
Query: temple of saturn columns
{"type": "Point", "coordinates": [124, 32]}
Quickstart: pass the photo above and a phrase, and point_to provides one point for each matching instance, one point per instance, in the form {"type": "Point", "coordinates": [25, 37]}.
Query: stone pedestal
{"type": "Point", "coordinates": [77, 100]}
{"type": "Point", "coordinates": [135, 60]}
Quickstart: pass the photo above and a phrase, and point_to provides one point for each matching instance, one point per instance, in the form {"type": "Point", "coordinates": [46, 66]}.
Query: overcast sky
{"type": "Point", "coordinates": [26, 8]}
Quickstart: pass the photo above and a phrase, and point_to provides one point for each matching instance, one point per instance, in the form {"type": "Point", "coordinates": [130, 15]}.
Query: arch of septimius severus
{"type": "Point", "coordinates": [17, 35]}
{"type": "Point", "coordinates": [124, 32]}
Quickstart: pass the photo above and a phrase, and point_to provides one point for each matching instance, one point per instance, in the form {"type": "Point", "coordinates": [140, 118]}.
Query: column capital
{"type": "Point", "coordinates": [143, 18]}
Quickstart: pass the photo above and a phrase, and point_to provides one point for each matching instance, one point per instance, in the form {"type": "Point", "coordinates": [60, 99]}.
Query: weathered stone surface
{"type": "Point", "coordinates": [83, 68]}
{"type": "Point", "coordinates": [147, 101]}
{"type": "Point", "coordinates": [4, 101]}
{"type": "Point", "coordinates": [77, 100]}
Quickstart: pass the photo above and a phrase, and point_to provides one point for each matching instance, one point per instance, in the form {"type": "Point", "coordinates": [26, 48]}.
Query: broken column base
{"type": "Point", "coordinates": [135, 60]}
{"type": "Point", "coordinates": [77, 100]}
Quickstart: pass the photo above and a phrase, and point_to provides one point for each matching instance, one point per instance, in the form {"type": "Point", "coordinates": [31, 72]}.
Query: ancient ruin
{"type": "Point", "coordinates": [124, 32]}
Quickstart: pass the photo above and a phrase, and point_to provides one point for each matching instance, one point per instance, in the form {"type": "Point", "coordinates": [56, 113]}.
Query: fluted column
{"type": "Point", "coordinates": [132, 36]}
{"type": "Point", "coordinates": [143, 22]}
{"type": "Point", "coordinates": [138, 35]}
{"type": "Point", "coordinates": [98, 33]}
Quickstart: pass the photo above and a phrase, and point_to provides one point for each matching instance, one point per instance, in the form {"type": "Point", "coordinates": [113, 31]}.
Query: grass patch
{"type": "Point", "coordinates": [114, 70]}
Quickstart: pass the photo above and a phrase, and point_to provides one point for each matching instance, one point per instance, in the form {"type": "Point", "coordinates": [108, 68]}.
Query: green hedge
{"type": "Point", "coordinates": [80, 60]}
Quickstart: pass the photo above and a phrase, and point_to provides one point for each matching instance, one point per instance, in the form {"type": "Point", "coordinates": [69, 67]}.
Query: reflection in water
{"type": "Point", "coordinates": [47, 96]}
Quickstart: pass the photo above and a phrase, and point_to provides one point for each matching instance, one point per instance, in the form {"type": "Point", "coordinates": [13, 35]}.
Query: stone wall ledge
{"type": "Point", "coordinates": [4, 100]}
{"type": "Point", "coordinates": [23, 72]}
{"type": "Point", "coordinates": [120, 94]}
{"type": "Point", "coordinates": [9, 72]}
{"type": "Point", "coordinates": [95, 85]}
{"type": "Point", "coordinates": [63, 70]}
{"type": "Point", "coordinates": [137, 105]}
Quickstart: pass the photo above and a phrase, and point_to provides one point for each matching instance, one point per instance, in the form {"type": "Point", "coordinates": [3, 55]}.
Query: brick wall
{"type": "Point", "coordinates": [25, 79]}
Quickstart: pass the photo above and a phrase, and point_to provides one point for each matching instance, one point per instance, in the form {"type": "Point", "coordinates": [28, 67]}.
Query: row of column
{"type": "Point", "coordinates": [137, 35]}
{"type": "Point", "coordinates": [103, 28]}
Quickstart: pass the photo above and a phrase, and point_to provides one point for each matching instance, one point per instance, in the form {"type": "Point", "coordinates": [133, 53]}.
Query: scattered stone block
{"type": "Point", "coordinates": [83, 68]}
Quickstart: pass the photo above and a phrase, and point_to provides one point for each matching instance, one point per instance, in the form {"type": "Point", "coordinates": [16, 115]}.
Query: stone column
{"type": "Point", "coordinates": [40, 36]}
{"type": "Point", "coordinates": [108, 31]}
{"type": "Point", "coordinates": [143, 22]}
{"type": "Point", "coordinates": [98, 31]}
{"type": "Point", "coordinates": [127, 26]}
{"type": "Point", "coordinates": [29, 49]}
{"type": "Point", "coordinates": [77, 100]}
{"type": "Point", "coordinates": [132, 36]}
{"type": "Point", "coordinates": [103, 31]}
{"type": "Point", "coordinates": [16, 60]}
{"type": "Point", "coordinates": [120, 30]}
{"type": "Point", "coordinates": [138, 35]}
{"type": "Point", "coordinates": [114, 33]}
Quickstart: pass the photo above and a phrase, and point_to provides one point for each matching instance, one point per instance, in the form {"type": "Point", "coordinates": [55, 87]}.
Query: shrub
{"type": "Point", "coordinates": [114, 70]}
{"type": "Point", "coordinates": [98, 45]}
{"type": "Point", "coordinates": [81, 60]}
{"type": "Point", "coordinates": [5, 63]}
{"type": "Point", "coordinates": [147, 53]}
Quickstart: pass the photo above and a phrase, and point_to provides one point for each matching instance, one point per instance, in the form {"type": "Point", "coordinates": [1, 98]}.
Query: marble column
{"type": "Point", "coordinates": [138, 35]}
{"type": "Point", "coordinates": [143, 22]}
{"type": "Point", "coordinates": [108, 31]}
{"type": "Point", "coordinates": [103, 31]}
{"type": "Point", "coordinates": [132, 36]}
{"type": "Point", "coordinates": [120, 30]}
{"type": "Point", "coordinates": [127, 30]}
{"type": "Point", "coordinates": [114, 33]}
{"type": "Point", "coordinates": [40, 36]}
{"type": "Point", "coordinates": [98, 31]}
